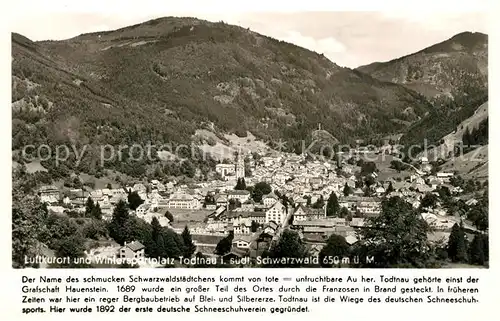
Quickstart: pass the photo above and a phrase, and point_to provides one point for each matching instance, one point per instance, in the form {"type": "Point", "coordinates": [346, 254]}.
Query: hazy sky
{"type": "Point", "coordinates": [347, 38]}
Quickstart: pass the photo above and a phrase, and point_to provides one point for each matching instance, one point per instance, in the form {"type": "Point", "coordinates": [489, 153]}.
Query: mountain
{"type": "Point", "coordinates": [450, 69]}
{"type": "Point", "coordinates": [452, 75]}
{"type": "Point", "coordinates": [477, 123]}
{"type": "Point", "coordinates": [162, 80]}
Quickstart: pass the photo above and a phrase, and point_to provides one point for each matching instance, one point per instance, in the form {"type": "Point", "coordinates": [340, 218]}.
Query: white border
{"type": "Point", "coordinates": [19, 9]}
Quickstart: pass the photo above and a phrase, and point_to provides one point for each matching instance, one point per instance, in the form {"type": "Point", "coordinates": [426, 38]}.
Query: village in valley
{"type": "Point", "coordinates": [256, 198]}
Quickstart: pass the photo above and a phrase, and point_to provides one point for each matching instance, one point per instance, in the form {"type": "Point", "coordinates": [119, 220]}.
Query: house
{"type": "Point", "coordinates": [249, 205]}
{"type": "Point", "coordinates": [242, 241]}
{"type": "Point", "coordinates": [379, 190]}
{"type": "Point", "coordinates": [48, 194]}
{"type": "Point", "coordinates": [132, 250]}
{"type": "Point", "coordinates": [276, 213]}
{"type": "Point", "coordinates": [216, 215]}
{"type": "Point", "coordinates": [78, 197]}
{"type": "Point", "coordinates": [321, 223]}
{"type": "Point", "coordinates": [267, 161]}
{"type": "Point", "coordinates": [211, 207]}
{"type": "Point", "coordinates": [221, 200]}
{"type": "Point", "coordinates": [357, 222]}
{"type": "Point", "coordinates": [358, 192]}
{"type": "Point", "coordinates": [301, 201]}
{"type": "Point", "coordinates": [225, 169]}
{"type": "Point", "coordinates": [242, 226]}
{"type": "Point", "coordinates": [444, 177]}
{"type": "Point", "coordinates": [139, 188]}
{"type": "Point", "coordinates": [339, 221]}
{"type": "Point", "coordinates": [315, 249]}
{"type": "Point", "coordinates": [142, 209]}
{"type": "Point", "coordinates": [303, 213]}
{"type": "Point", "coordinates": [117, 195]}
{"type": "Point", "coordinates": [434, 183]}
{"type": "Point", "coordinates": [269, 199]}
{"type": "Point", "coordinates": [157, 185]}
{"type": "Point", "coordinates": [107, 211]}
{"type": "Point", "coordinates": [369, 206]}
{"type": "Point", "coordinates": [56, 209]}
{"type": "Point", "coordinates": [351, 239]}
{"type": "Point", "coordinates": [259, 217]}
{"type": "Point", "coordinates": [472, 202]}
{"type": "Point", "coordinates": [240, 195]}
{"type": "Point", "coordinates": [182, 201]}
{"type": "Point", "coordinates": [271, 228]}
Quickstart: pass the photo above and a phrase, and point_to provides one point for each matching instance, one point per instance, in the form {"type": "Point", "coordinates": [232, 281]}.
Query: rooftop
{"type": "Point", "coordinates": [135, 246]}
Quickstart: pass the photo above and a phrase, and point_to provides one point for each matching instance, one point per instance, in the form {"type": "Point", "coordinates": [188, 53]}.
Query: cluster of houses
{"type": "Point", "coordinates": [302, 182]}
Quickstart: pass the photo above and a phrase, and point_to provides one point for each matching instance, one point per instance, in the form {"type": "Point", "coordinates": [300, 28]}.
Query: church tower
{"type": "Point", "coordinates": [240, 166]}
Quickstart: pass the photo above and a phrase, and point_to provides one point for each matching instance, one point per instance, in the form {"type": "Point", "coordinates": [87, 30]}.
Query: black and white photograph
{"type": "Point", "coordinates": [351, 139]}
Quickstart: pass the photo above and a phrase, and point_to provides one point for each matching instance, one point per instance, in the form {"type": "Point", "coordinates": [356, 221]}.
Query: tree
{"type": "Point", "coordinates": [169, 216]}
{"type": "Point", "coordinates": [109, 186]}
{"type": "Point", "coordinates": [254, 226]}
{"type": "Point", "coordinates": [189, 247]}
{"type": "Point", "coordinates": [478, 215]}
{"type": "Point", "coordinates": [347, 190]}
{"type": "Point", "coordinates": [368, 168]}
{"type": "Point", "coordinates": [397, 236]}
{"type": "Point", "coordinates": [398, 165]}
{"type": "Point", "coordinates": [134, 200]}
{"type": "Point", "coordinates": [370, 180]}
{"type": "Point", "coordinates": [173, 244]}
{"type": "Point", "coordinates": [467, 137]}
{"type": "Point", "coordinates": [240, 185]}
{"type": "Point", "coordinates": [209, 199]}
{"type": "Point", "coordinates": [429, 200]}
{"type": "Point", "coordinates": [119, 225]}
{"type": "Point", "coordinates": [320, 202]}
{"type": "Point", "coordinates": [71, 247]}
{"type": "Point", "coordinates": [155, 249]}
{"type": "Point", "coordinates": [188, 169]}
{"type": "Point", "coordinates": [457, 246]}
{"type": "Point", "coordinates": [234, 203]}
{"type": "Point", "coordinates": [289, 245]}
{"type": "Point", "coordinates": [476, 250]}
{"type": "Point", "coordinates": [332, 206]}
{"type": "Point", "coordinates": [89, 206]}
{"type": "Point", "coordinates": [96, 212]}
{"type": "Point", "coordinates": [224, 245]}
{"type": "Point", "coordinates": [28, 223]}
{"type": "Point", "coordinates": [260, 189]}
{"type": "Point", "coordinates": [336, 246]}
{"type": "Point", "coordinates": [344, 213]}
{"type": "Point", "coordinates": [390, 188]}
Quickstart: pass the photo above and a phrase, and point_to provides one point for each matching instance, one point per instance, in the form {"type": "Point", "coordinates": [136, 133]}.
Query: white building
{"type": "Point", "coordinates": [182, 201]}
{"type": "Point", "coordinates": [276, 213]}
{"type": "Point", "coordinates": [241, 196]}
{"type": "Point", "coordinates": [242, 241]}
{"type": "Point", "coordinates": [131, 250]}
{"type": "Point", "coordinates": [225, 169]}
{"type": "Point", "coordinates": [269, 199]}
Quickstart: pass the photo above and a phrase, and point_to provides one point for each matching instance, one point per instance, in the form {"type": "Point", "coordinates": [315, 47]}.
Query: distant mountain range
{"type": "Point", "coordinates": [452, 68]}
{"type": "Point", "coordinates": [161, 80]}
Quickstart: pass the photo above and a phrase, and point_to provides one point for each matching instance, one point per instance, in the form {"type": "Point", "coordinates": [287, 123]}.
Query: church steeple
{"type": "Point", "coordinates": [240, 165]}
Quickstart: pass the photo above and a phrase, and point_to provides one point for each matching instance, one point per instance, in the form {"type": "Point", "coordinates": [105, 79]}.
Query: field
{"type": "Point", "coordinates": [383, 163]}
{"type": "Point", "coordinates": [471, 165]}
